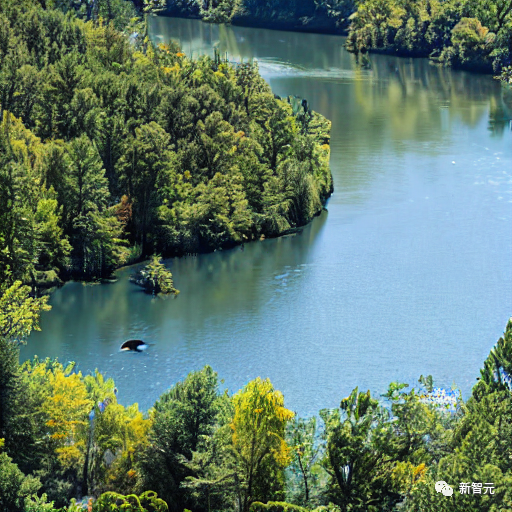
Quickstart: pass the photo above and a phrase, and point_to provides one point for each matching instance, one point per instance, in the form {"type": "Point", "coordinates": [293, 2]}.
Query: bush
{"type": "Point", "coordinates": [38, 504]}
{"type": "Point", "coordinates": [155, 278]}
{"type": "Point", "coordinates": [14, 486]}
{"type": "Point", "coordinates": [282, 506]}
{"type": "Point", "coordinates": [276, 506]}
{"type": "Point", "coordinates": [47, 279]}
{"type": "Point", "coordinates": [471, 47]}
{"type": "Point", "coordinates": [111, 502]}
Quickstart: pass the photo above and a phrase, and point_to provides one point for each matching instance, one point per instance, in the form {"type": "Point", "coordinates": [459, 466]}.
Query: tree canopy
{"type": "Point", "coordinates": [112, 149]}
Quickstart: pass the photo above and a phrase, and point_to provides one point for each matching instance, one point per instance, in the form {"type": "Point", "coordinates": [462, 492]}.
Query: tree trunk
{"type": "Point", "coordinates": [305, 478]}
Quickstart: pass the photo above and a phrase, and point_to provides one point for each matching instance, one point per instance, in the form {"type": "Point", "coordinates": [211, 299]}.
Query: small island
{"type": "Point", "coordinates": [155, 278]}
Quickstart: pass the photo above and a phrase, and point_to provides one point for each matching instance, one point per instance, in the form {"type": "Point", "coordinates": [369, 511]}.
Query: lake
{"type": "Point", "coordinates": [408, 272]}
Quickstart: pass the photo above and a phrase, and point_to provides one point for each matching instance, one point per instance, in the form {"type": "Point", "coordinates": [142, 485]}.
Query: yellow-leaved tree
{"type": "Point", "coordinates": [259, 444]}
{"type": "Point", "coordinates": [67, 407]}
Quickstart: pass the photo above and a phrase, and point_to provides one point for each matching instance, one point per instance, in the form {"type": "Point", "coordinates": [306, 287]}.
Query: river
{"type": "Point", "coordinates": [408, 272]}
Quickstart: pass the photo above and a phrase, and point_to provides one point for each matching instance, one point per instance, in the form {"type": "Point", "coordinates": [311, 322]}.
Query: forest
{"type": "Point", "coordinates": [327, 16]}
{"type": "Point", "coordinates": [68, 445]}
{"type": "Point", "coordinates": [112, 150]}
{"type": "Point", "coordinates": [465, 34]}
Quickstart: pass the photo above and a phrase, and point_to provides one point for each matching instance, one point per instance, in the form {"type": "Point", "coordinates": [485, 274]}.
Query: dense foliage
{"type": "Point", "coordinates": [111, 149]}
{"type": "Point", "coordinates": [65, 436]}
{"type": "Point", "coordinates": [470, 34]}
{"type": "Point", "coordinates": [324, 15]}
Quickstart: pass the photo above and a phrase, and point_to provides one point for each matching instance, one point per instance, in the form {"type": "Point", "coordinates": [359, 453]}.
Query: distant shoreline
{"type": "Point", "coordinates": [324, 26]}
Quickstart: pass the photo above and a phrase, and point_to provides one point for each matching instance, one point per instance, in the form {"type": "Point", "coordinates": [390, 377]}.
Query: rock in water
{"type": "Point", "coordinates": [137, 345]}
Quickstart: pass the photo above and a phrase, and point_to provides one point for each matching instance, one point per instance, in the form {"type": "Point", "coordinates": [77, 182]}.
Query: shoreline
{"type": "Point", "coordinates": [323, 27]}
{"type": "Point", "coordinates": [112, 279]}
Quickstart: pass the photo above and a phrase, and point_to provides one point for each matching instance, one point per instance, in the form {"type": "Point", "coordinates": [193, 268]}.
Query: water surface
{"type": "Point", "coordinates": [408, 273]}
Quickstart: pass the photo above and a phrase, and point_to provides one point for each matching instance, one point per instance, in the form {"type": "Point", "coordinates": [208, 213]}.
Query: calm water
{"type": "Point", "coordinates": [408, 273]}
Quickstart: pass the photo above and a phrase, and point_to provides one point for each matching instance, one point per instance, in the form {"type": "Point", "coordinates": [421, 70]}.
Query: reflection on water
{"type": "Point", "coordinates": [409, 273]}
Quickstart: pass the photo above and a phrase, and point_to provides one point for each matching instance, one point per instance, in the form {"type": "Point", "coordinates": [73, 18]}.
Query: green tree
{"type": "Point", "coordinates": [214, 478]}
{"type": "Point", "coordinates": [142, 167]}
{"type": "Point", "coordinates": [182, 416]}
{"type": "Point", "coordinates": [156, 278]}
{"type": "Point", "coordinates": [54, 245]}
{"type": "Point", "coordinates": [306, 452]}
{"type": "Point", "coordinates": [93, 229]}
{"type": "Point", "coordinates": [15, 487]}
{"type": "Point", "coordinates": [358, 454]}
{"type": "Point", "coordinates": [17, 238]}
{"type": "Point", "coordinates": [219, 11]}
{"type": "Point", "coordinates": [495, 14]}
{"type": "Point", "coordinates": [19, 315]}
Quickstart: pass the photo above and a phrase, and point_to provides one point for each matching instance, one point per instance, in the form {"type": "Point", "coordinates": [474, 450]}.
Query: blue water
{"type": "Point", "coordinates": [408, 273]}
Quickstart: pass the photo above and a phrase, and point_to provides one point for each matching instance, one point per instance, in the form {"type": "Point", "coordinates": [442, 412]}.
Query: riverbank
{"type": "Point", "coordinates": [461, 35]}
{"type": "Point", "coordinates": [311, 25]}
{"type": "Point", "coordinates": [457, 35]}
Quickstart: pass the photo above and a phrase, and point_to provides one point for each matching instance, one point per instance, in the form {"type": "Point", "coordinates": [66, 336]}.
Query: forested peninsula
{"type": "Point", "coordinates": [112, 149]}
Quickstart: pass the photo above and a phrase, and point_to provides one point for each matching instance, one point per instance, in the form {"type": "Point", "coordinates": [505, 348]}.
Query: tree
{"type": "Point", "coordinates": [182, 417]}
{"type": "Point", "coordinates": [213, 482]}
{"type": "Point", "coordinates": [219, 11]}
{"type": "Point", "coordinates": [86, 185]}
{"type": "Point", "coordinates": [259, 443]}
{"type": "Point", "coordinates": [18, 250]}
{"type": "Point", "coordinates": [67, 407]}
{"type": "Point", "coordinates": [494, 15]}
{"type": "Point", "coordinates": [156, 278]}
{"type": "Point", "coordinates": [143, 165]}
{"type": "Point", "coordinates": [19, 315]}
{"type": "Point", "coordinates": [496, 375]}
{"type": "Point", "coordinates": [93, 229]}
{"type": "Point", "coordinates": [301, 437]}
{"type": "Point", "coordinates": [15, 487]}
{"type": "Point", "coordinates": [114, 432]}
{"type": "Point", "coordinates": [340, 10]}
{"type": "Point", "coordinates": [359, 455]}
{"type": "Point", "coordinates": [54, 245]}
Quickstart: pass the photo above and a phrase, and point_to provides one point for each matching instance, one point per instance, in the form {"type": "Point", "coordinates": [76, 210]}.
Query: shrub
{"type": "Point", "coordinates": [14, 486]}
{"type": "Point", "coordinates": [276, 506]}
{"type": "Point", "coordinates": [155, 278]}
{"type": "Point", "coordinates": [112, 502]}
